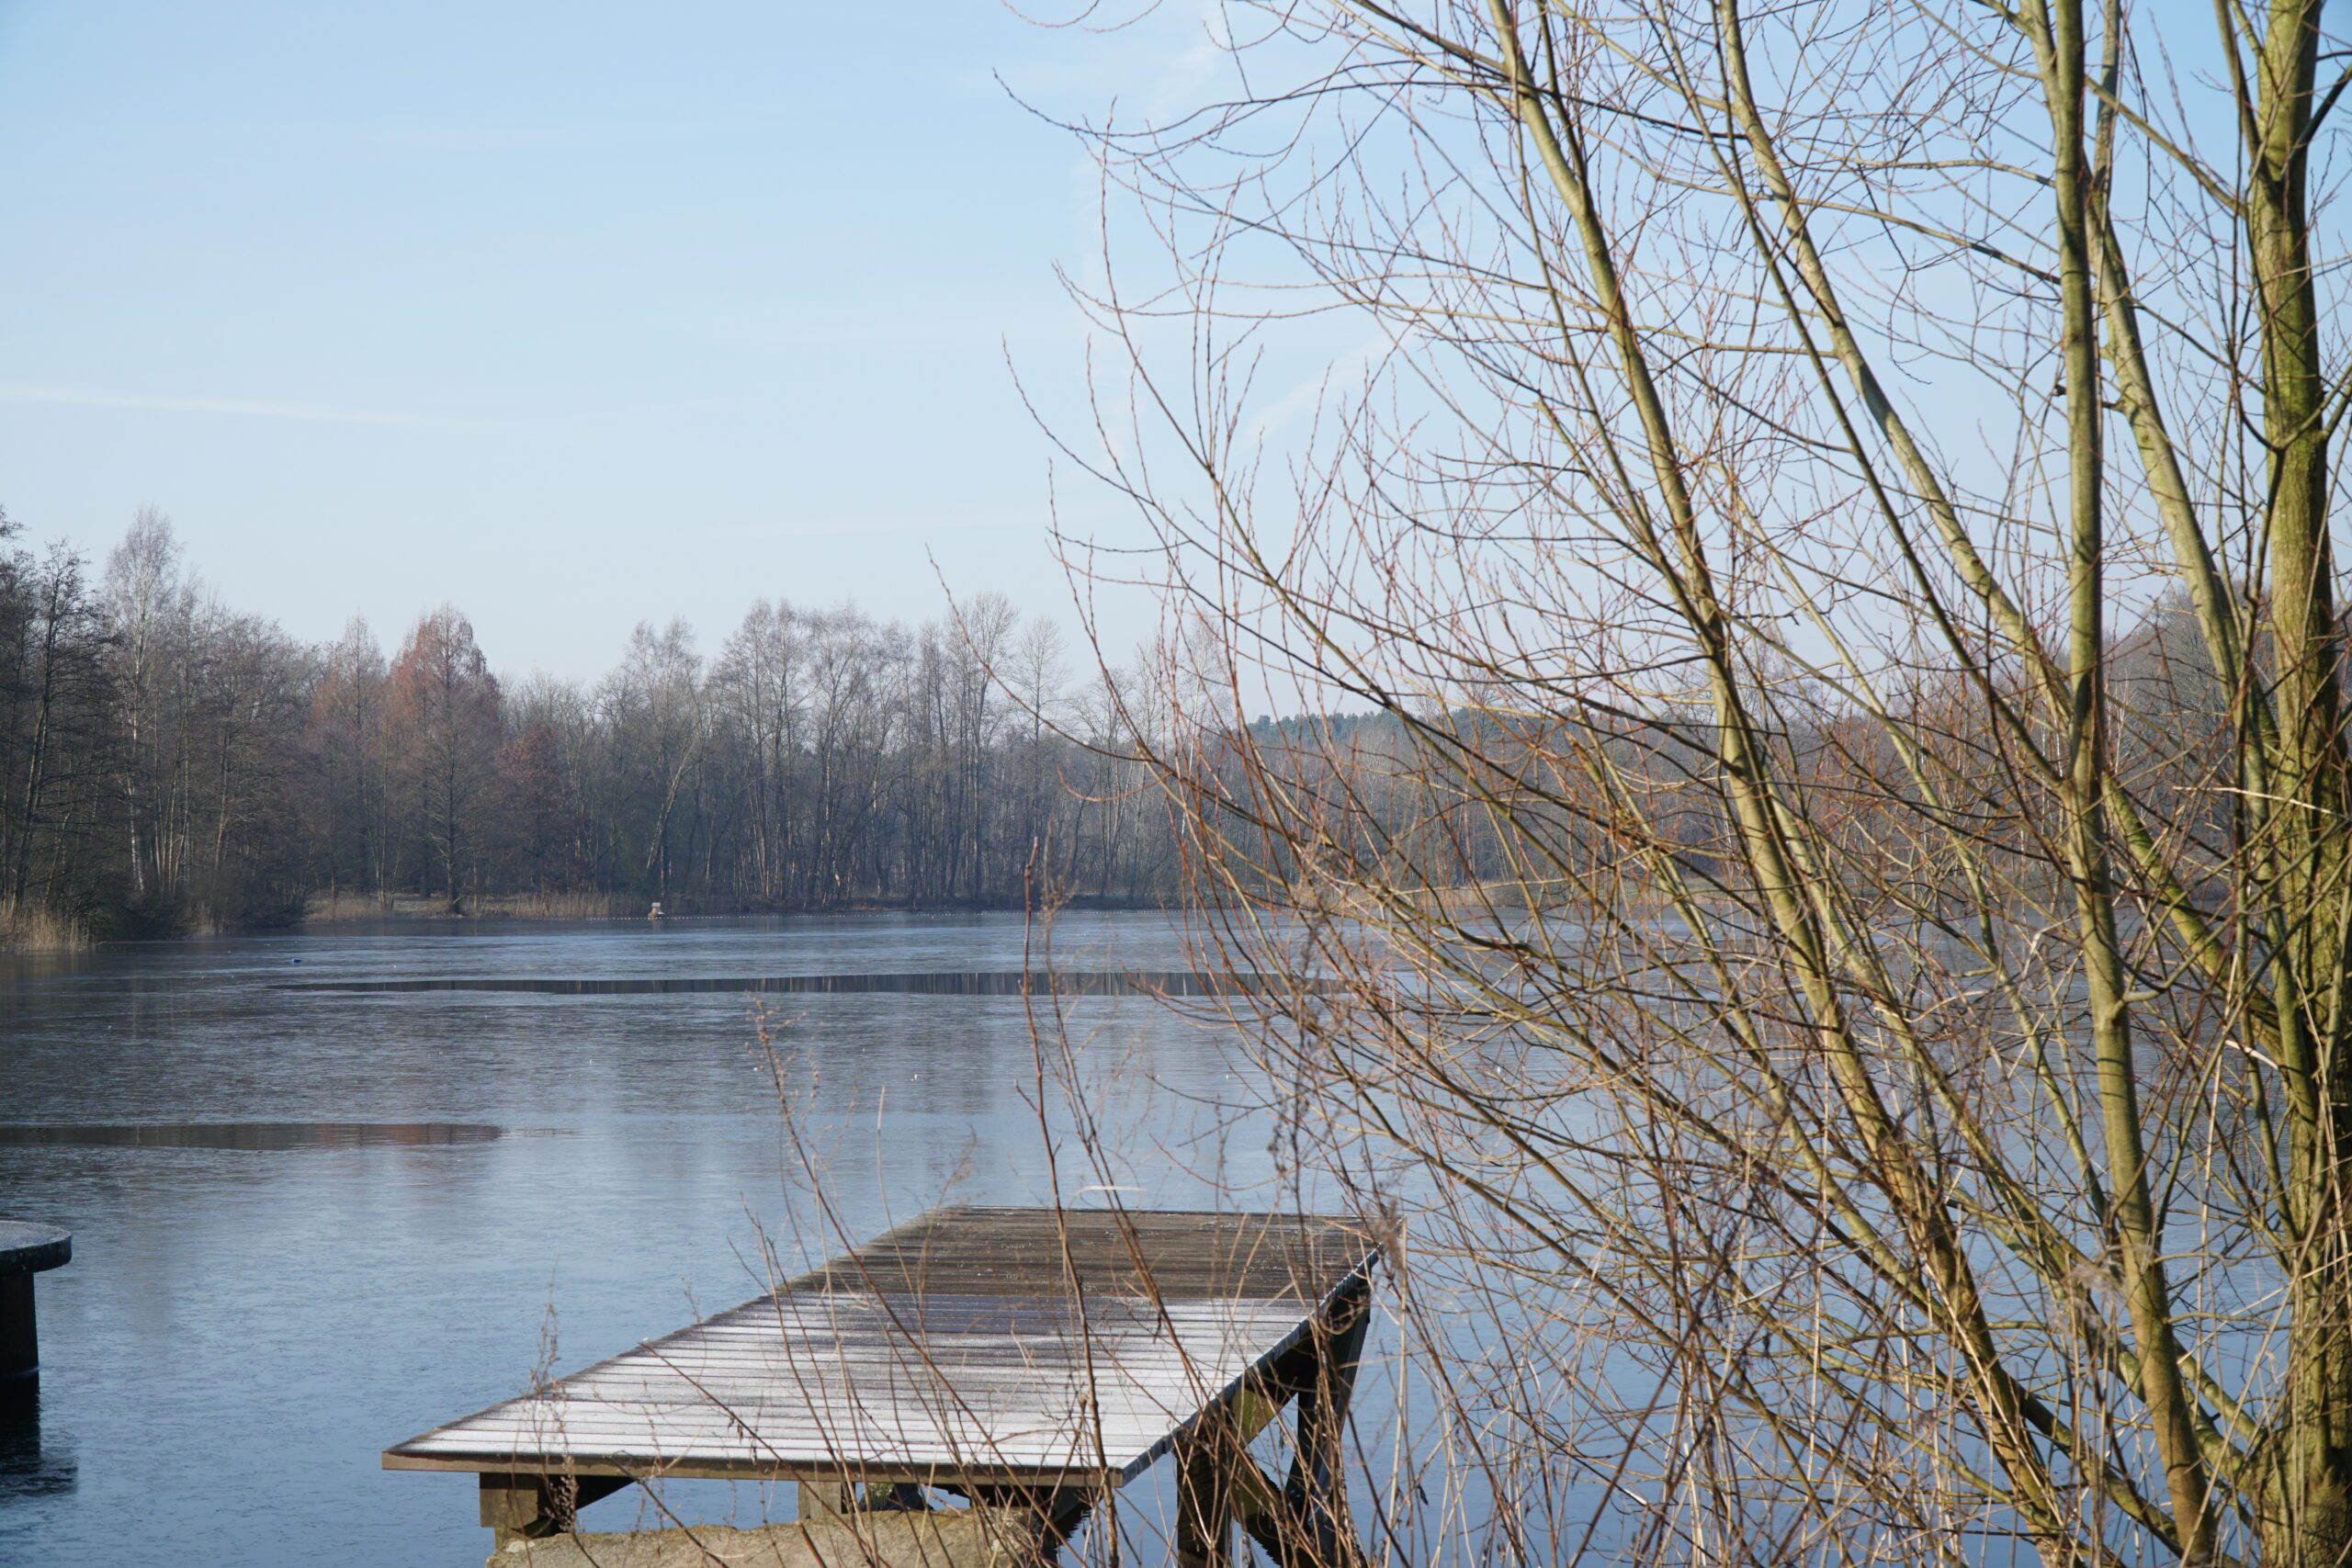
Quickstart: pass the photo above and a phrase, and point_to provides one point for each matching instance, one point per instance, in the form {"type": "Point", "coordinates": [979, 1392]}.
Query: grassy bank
{"type": "Point", "coordinates": [37, 929]}
{"type": "Point", "coordinates": [352, 908]}
{"type": "Point", "coordinates": [338, 908]}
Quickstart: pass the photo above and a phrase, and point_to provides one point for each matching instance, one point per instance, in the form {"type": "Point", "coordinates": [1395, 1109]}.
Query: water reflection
{"type": "Point", "coordinates": [247, 1134]}
{"type": "Point", "coordinates": [986, 982]}
{"type": "Point", "coordinates": [27, 1470]}
{"type": "Point", "coordinates": [283, 1317]}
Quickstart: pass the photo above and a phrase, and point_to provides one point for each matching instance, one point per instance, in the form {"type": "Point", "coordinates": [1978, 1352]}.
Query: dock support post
{"type": "Point", "coordinates": [1056, 1513]}
{"type": "Point", "coordinates": [825, 1501]}
{"type": "Point", "coordinates": [1317, 1488]}
{"type": "Point", "coordinates": [19, 1339]}
{"type": "Point", "coordinates": [1303, 1523]}
{"type": "Point", "coordinates": [1204, 1460]}
{"type": "Point", "coordinates": [532, 1508]}
{"type": "Point", "coordinates": [24, 1251]}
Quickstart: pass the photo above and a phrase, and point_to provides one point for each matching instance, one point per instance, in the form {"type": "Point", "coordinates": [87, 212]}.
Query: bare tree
{"type": "Point", "coordinates": [758, 681]}
{"type": "Point", "coordinates": [346, 740]}
{"type": "Point", "coordinates": [1860, 1097]}
{"type": "Point", "coordinates": [150, 604]}
{"type": "Point", "coordinates": [443, 711]}
{"type": "Point", "coordinates": [63, 683]}
{"type": "Point", "coordinates": [655, 703]}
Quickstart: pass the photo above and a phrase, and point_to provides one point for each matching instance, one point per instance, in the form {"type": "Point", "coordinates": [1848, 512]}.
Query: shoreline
{"type": "Point", "coordinates": [52, 937]}
{"type": "Point", "coordinates": [411, 908]}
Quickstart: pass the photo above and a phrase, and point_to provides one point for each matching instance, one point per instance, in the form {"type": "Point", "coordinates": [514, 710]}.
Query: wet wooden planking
{"type": "Point", "coordinates": [952, 1345]}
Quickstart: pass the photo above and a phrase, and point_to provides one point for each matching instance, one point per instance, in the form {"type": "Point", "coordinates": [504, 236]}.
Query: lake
{"type": "Point", "coordinates": [315, 1214]}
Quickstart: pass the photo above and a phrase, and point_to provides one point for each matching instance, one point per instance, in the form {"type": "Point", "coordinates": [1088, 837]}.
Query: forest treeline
{"type": "Point", "coordinates": [169, 763]}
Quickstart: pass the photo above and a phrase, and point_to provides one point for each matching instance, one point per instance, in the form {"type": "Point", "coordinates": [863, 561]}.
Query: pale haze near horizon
{"type": "Point", "coordinates": [571, 316]}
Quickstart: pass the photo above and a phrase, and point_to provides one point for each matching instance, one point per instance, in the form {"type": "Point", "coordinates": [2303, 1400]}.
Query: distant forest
{"type": "Point", "coordinates": [168, 763]}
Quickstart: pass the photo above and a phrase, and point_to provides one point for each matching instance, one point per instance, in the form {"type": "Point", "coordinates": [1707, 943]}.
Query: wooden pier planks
{"type": "Point", "coordinates": [954, 1346]}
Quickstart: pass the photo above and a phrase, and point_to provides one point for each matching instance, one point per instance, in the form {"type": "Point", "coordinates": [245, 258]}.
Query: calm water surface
{"type": "Point", "coordinates": [311, 1221]}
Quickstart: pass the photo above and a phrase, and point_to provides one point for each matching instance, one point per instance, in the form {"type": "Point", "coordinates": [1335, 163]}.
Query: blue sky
{"type": "Point", "coordinates": [573, 314]}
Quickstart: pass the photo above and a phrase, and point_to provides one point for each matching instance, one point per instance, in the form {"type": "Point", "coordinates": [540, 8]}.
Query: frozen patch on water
{"type": "Point", "coordinates": [946, 983]}
{"type": "Point", "coordinates": [246, 1134]}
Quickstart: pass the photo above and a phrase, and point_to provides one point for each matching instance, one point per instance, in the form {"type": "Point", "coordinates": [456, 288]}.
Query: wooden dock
{"type": "Point", "coordinates": [1028, 1361]}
